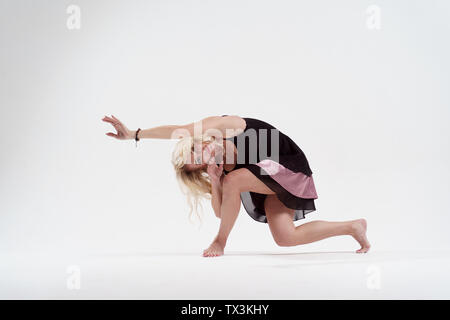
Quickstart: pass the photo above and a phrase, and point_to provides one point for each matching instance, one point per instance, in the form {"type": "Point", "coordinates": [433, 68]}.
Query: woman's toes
{"type": "Point", "coordinates": [363, 250]}
{"type": "Point", "coordinates": [210, 253]}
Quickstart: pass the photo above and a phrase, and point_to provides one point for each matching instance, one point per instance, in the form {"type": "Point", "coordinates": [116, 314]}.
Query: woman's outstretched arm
{"type": "Point", "coordinates": [228, 126]}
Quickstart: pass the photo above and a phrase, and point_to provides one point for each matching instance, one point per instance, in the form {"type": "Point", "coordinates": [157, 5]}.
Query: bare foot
{"type": "Point", "coordinates": [214, 250]}
{"type": "Point", "coordinates": [359, 229]}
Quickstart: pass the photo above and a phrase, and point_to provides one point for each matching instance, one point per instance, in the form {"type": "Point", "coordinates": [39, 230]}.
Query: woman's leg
{"type": "Point", "coordinates": [234, 183]}
{"type": "Point", "coordinates": [285, 233]}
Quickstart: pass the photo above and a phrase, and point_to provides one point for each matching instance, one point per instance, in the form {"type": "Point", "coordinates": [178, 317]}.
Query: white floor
{"type": "Point", "coordinates": [291, 274]}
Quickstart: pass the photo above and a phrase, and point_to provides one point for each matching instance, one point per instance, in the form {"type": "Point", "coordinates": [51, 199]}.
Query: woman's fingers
{"type": "Point", "coordinates": [109, 118]}
{"type": "Point", "coordinates": [212, 161]}
{"type": "Point", "coordinates": [117, 120]}
{"type": "Point", "coordinates": [112, 134]}
{"type": "Point", "coordinates": [115, 123]}
{"type": "Point", "coordinates": [117, 127]}
{"type": "Point", "coordinates": [212, 167]}
{"type": "Point", "coordinates": [112, 120]}
{"type": "Point", "coordinates": [123, 129]}
{"type": "Point", "coordinates": [120, 128]}
{"type": "Point", "coordinates": [213, 170]}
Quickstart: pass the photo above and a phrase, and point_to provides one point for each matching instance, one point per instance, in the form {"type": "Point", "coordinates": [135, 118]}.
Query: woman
{"type": "Point", "coordinates": [232, 159]}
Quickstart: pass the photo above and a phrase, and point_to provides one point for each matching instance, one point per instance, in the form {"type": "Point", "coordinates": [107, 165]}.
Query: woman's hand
{"type": "Point", "coordinates": [122, 131]}
{"type": "Point", "coordinates": [215, 172]}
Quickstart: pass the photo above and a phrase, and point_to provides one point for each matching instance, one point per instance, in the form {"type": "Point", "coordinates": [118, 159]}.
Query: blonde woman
{"type": "Point", "coordinates": [229, 159]}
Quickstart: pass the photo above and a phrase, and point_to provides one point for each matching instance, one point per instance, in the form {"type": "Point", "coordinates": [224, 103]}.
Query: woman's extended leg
{"type": "Point", "coordinates": [234, 183]}
{"type": "Point", "coordinates": [285, 233]}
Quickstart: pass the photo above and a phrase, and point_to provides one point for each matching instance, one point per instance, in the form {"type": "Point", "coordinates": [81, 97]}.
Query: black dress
{"type": "Point", "coordinates": [285, 171]}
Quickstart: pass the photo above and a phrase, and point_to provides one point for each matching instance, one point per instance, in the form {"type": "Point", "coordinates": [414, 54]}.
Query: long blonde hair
{"type": "Point", "coordinates": [195, 184]}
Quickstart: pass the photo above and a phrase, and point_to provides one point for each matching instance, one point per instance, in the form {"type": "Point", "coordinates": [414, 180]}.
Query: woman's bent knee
{"type": "Point", "coordinates": [231, 184]}
{"type": "Point", "coordinates": [284, 243]}
{"type": "Point", "coordinates": [283, 240]}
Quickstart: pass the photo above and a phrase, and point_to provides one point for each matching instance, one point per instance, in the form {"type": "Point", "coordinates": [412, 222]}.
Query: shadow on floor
{"type": "Point", "coordinates": [296, 259]}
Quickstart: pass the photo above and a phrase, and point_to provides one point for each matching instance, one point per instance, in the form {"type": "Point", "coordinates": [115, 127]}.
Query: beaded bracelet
{"type": "Point", "coordinates": [136, 136]}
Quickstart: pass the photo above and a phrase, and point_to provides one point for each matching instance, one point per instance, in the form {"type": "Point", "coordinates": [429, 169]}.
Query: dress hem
{"type": "Point", "coordinates": [301, 206]}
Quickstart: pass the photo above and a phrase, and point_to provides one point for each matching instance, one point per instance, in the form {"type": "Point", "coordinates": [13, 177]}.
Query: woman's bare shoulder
{"type": "Point", "coordinates": [228, 125]}
{"type": "Point", "coordinates": [234, 122]}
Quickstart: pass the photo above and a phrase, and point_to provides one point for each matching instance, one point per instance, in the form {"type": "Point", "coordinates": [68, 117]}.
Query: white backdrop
{"type": "Point", "coordinates": [369, 107]}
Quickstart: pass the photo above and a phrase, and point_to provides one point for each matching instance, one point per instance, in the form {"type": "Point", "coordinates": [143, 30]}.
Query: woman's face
{"type": "Point", "coordinates": [200, 156]}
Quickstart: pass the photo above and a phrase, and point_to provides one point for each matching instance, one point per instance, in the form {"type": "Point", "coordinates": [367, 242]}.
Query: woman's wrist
{"type": "Point", "coordinates": [133, 134]}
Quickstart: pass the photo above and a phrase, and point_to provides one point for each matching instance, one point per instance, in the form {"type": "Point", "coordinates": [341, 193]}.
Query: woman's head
{"type": "Point", "coordinates": [190, 159]}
